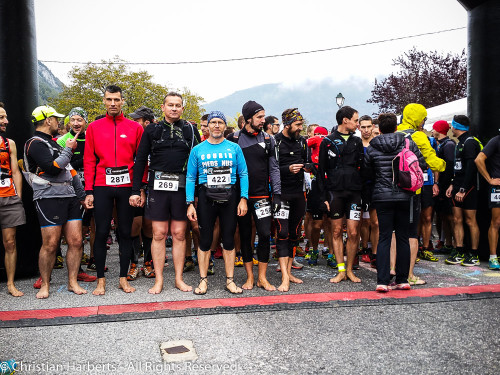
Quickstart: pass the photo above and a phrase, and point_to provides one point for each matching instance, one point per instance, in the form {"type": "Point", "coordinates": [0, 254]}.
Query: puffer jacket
{"type": "Point", "coordinates": [413, 115]}
{"type": "Point", "coordinates": [378, 166]}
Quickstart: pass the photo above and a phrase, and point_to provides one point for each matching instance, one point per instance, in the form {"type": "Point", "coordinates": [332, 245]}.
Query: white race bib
{"type": "Point", "coordinates": [5, 182]}
{"type": "Point", "coordinates": [166, 182]}
{"type": "Point", "coordinates": [80, 174]}
{"type": "Point", "coordinates": [458, 165]}
{"type": "Point", "coordinates": [355, 215]}
{"type": "Point", "coordinates": [218, 176]}
{"type": "Point", "coordinates": [262, 208]}
{"type": "Point", "coordinates": [426, 177]}
{"type": "Point", "coordinates": [283, 212]}
{"type": "Point", "coordinates": [495, 195]}
{"type": "Point", "coordinates": [117, 176]}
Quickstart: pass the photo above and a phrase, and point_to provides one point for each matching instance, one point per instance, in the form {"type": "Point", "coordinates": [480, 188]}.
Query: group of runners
{"type": "Point", "coordinates": [161, 179]}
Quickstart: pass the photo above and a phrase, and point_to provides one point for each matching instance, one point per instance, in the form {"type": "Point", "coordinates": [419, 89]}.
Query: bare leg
{"type": "Point", "coordinates": [47, 257]}
{"type": "Point", "coordinates": [178, 229]}
{"type": "Point", "coordinates": [352, 248]}
{"type": "Point", "coordinates": [73, 233]}
{"type": "Point", "coordinates": [160, 230]}
{"type": "Point", "coordinates": [493, 230]}
{"type": "Point", "coordinates": [229, 256]}
{"type": "Point", "coordinates": [292, 278]}
{"type": "Point", "coordinates": [250, 280]}
{"type": "Point", "coordinates": [262, 282]}
{"type": "Point", "coordinates": [203, 261]}
{"type": "Point", "coordinates": [470, 220]}
{"type": "Point", "coordinates": [285, 279]}
{"type": "Point", "coordinates": [338, 248]}
{"type": "Point", "coordinates": [9, 243]}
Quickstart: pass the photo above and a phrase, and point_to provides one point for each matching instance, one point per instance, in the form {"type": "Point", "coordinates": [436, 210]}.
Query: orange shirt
{"type": "Point", "coordinates": [7, 188]}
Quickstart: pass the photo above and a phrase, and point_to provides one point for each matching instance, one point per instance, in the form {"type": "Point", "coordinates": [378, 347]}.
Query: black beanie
{"type": "Point", "coordinates": [250, 108]}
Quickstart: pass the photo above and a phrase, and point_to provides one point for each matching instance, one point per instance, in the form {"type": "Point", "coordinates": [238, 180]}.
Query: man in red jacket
{"type": "Point", "coordinates": [110, 148]}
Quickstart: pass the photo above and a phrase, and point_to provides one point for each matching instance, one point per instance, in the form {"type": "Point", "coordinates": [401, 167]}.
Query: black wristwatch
{"type": "Point", "coordinates": [461, 190]}
{"type": "Point", "coordinates": [189, 203]}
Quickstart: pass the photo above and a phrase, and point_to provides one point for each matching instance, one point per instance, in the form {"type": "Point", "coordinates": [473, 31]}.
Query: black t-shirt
{"type": "Point", "coordinates": [492, 151]}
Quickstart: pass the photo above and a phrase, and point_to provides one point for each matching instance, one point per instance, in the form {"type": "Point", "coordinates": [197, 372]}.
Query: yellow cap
{"type": "Point", "coordinates": [43, 112]}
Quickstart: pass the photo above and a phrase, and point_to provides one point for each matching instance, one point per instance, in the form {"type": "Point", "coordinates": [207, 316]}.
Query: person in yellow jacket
{"type": "Point", "coordinates": [414, 117]}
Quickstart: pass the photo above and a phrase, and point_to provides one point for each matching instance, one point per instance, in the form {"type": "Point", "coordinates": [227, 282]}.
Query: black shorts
{"type": "Point", "coordinates": [414, 216]}
{"type": "Point", "coordinates": [494, 197]}
{"type": "Point", "coordinates": [139, 211]}
{"type": "Point", "coordinates": [469, 202]}
{"type": "Point", "coordinates": [57, 211]}
{"type": "Point", "coordinates": [346, 203]}
{"type": "Point", "coordinates": [366, 198]}
{"type": "Point", "coordinates": [87, 216]}
{"type": "Point", "coordinates": [166, 205]}
{"type": "Point", "coordinates": [426, 199]}
{"type": "Point", "coordinates": [314, 202]}
{"type": "Point", "coordinates": [442, 204]}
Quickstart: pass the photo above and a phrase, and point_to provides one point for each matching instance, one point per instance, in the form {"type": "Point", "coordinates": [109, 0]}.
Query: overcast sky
{"type": "Point", "coordinates": [194, 30]}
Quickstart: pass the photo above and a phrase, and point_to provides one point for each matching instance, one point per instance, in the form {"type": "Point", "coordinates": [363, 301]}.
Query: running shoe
{"type": "Point", "coordinates": [133, 272]}
{"type": "Point", "coordinates": [255, 261]}
{"type": "Point", "coordinates": [238, 261]}
{"type": "Point", "coordinates": [427, 255]}
{"type": "Point", "coordinates": [38, 284]}
{"type": "Point", "coordinates": [85, 259]}
{"type": "Point", "coordinates": [211, 270]}
{"type": "Point", "coordinates": [299, 251]}
{"type": "Point", "coordinates": [355, 265]}
{"type": "Point", "coordinates": [325, 252]}
{"type": "Point", "coordinates": [148, 270]}
{"type": "Point", "coordinates": [308, 253]}
{"type": "Point", "coordinates": [313, 260]}
{"type": "Point", "coordinates": [365, 258]}
{"type": "Point", "coordinates": [331, 261]}
{"type": "Point", "coordinates": [296, 265]}
{"type": "Point", "coordinates": [188, 264]}
{"type": "Point", "coordinates": [85, 277]}
{"type": "Point", "coordinates": [92, 267]}
{"type": "Point", "coordinates": [403, 286]}
{"type": "Point", "coordinates": [218, 252]}
{"type": "Point", "coordinates": [454, 258]}
{"type": "Point", "coordinates": [382, 288]}
{"type": "Point", "coordinates": [493, 264]}
{"type": "Point", "coordinates": [470, 260]}
{"type": "Point", "coordinates": [59, 262]}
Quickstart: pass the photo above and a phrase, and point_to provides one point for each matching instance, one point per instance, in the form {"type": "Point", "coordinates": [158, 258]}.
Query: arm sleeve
{"type": "Point", "coordinates": [241, 169]}
{"type": "Point", "coordinates": [192, 172]}
{"type": "Point", "coordinates": [89, 160]}
{"type": "Point", "coordinates": [42, 156]}
{"type": "Point", "coordinates": [141, 160]}
{"type": "Point", "coordinates": [274, 171]}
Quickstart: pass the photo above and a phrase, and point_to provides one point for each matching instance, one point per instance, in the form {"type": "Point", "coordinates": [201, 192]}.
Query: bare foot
{"type": "Point", "coordinates": [202, 286]}
{"type": "Point", "coordinates": [248, 284]}
{"type": "Point", "coordinates": [44, 292]}
{"type": "Point", "coordinates": [340, 277]}
{"type": "Point", "coordinates": [232, 287]}
{"type": "Point", "coordinates": [182, 286]}
{"type": "Point", "coordinates": [295, 280]}
{"type": "Point", "coordinates": [353, 277]}
{"type": "Point", "coordinates": [14, 291]}
{"type": "Point", "coordinates": [125, 286]}
{"type": "Point", "coordinates": [75, 288]}
{"type": "Point", "coordinates": [285, 286]}
{"type": "Point", "coordinates": [100, 290]}
{"type": "Point", "coordinates": [157, 287]}
{"type": "Point", "coordinates": [266, 285]}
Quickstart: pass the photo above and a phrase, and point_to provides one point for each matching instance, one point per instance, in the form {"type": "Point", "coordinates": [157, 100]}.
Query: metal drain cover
{"type": "Point", "coordinates": [178, 351]}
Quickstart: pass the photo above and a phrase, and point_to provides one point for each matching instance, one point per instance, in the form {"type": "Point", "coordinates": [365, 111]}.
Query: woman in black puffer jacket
{"type": "Point", "coordinates": [391, 202]}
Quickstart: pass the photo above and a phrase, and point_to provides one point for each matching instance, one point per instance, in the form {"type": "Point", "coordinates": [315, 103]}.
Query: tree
{"type": "Point", "coordinates": [427, 78]}
{"type": "Point", "coordinates": [89, 82]}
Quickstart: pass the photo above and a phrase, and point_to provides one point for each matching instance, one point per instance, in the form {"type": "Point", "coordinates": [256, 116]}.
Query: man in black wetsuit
{"type": "Point", "coordinates": [259, 151]}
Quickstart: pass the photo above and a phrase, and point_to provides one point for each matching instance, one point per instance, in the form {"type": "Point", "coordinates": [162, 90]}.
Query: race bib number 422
{"type": "Point", "coordinates": [219, 176]}
{"type": "Point", "coordinates": [117, 176]}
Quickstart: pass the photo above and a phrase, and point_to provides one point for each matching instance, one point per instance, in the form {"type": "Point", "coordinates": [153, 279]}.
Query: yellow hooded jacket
{"type": "Point", "coordinates": [413, 115]}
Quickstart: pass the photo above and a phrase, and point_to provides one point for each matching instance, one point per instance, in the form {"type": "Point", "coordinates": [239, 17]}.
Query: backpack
{"type": "Point", "coordinates": [409, 175]}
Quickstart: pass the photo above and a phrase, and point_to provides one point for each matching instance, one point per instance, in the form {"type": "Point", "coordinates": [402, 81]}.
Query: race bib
{"type": "Point", "coordinates": [166, 182]}
{"type": "Point", "coordinates": [354, 215]}
{"type": "Point", "coordinates": [458, 165]}
{"type": "Point", "coordinates": [262, 209]}
{"type": "Point", "coordinates": [426, 177]}
{"type": "Point", "coordinates": [283, 212]}
{"type": "Point", "coordinates": [495, 195]}
{"type": "Point", "coordinates": [5, 183]}
{"type": "Point", "coordinates": [80, 174]}
{"type": "Point", "coordinates": [219, 176]}
{"type": "Point", "coordinates": [117, 176]}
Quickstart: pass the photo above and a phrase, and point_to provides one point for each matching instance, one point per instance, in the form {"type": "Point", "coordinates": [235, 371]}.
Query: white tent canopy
{"type": "Point", "coordinates": [445, 112]}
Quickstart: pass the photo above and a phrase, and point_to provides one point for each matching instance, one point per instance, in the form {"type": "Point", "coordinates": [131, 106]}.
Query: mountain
{"type": "Point", "coordinates": [49, 85]}
{"type": "Point", "coordinates": [315, 99]}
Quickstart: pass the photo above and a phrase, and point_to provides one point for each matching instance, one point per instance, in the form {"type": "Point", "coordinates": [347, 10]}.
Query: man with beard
{"type": "Point", "coordinates": [258, 149]}
{"type": "Point", "coordinates": [291, 151]}
{"type": "Point", "coordinates": [57, 193]}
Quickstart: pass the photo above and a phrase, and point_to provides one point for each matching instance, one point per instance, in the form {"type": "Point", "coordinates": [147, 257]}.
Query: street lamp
{"type": "Point", "coordinates": [340, 100]}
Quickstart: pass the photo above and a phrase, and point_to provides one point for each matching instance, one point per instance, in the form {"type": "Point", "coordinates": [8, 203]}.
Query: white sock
{"type": "Point", "coordinates": [492, 256]}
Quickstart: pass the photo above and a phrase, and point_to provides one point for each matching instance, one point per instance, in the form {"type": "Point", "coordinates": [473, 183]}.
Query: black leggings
{"type": "Point", "coordinates": [393, 216]}
{"type": "Point", "coordinates": [208, 211]}
{"type": "Point", "coordinates": [263, 227]}
{"type": "Point", "coordinates": [104, 199]}
{"type": "Point", "coordinates": [289, 229]}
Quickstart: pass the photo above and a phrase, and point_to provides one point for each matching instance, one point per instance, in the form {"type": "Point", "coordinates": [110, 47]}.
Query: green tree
{"type": "Point", "coordinates": [430, 79]}
{"type": "Point", "coordinates": [88, 83]}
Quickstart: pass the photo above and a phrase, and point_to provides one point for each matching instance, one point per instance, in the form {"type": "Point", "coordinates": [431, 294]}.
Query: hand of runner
{"type": "Point", "coordinates": [191, 213]}
{"type": "Point", "coordinates": [495, 181]}
{"type": "Point", "coordinates": [89, 201]}
{"type": "Point", "coordinates": [72, 142]}
{"type": "Point", "coordinates": [242, 207]}
{"type": "Point", "coordinates": [135, 200]}
{"type": "Point", "coordinates": [459, 197]}
{"type": "Point", "coordinates": [435, 190]}
{"type": "Point", "coordinates": [448, 191]}
{"type": "Point", "coordinates": [143, 198]}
